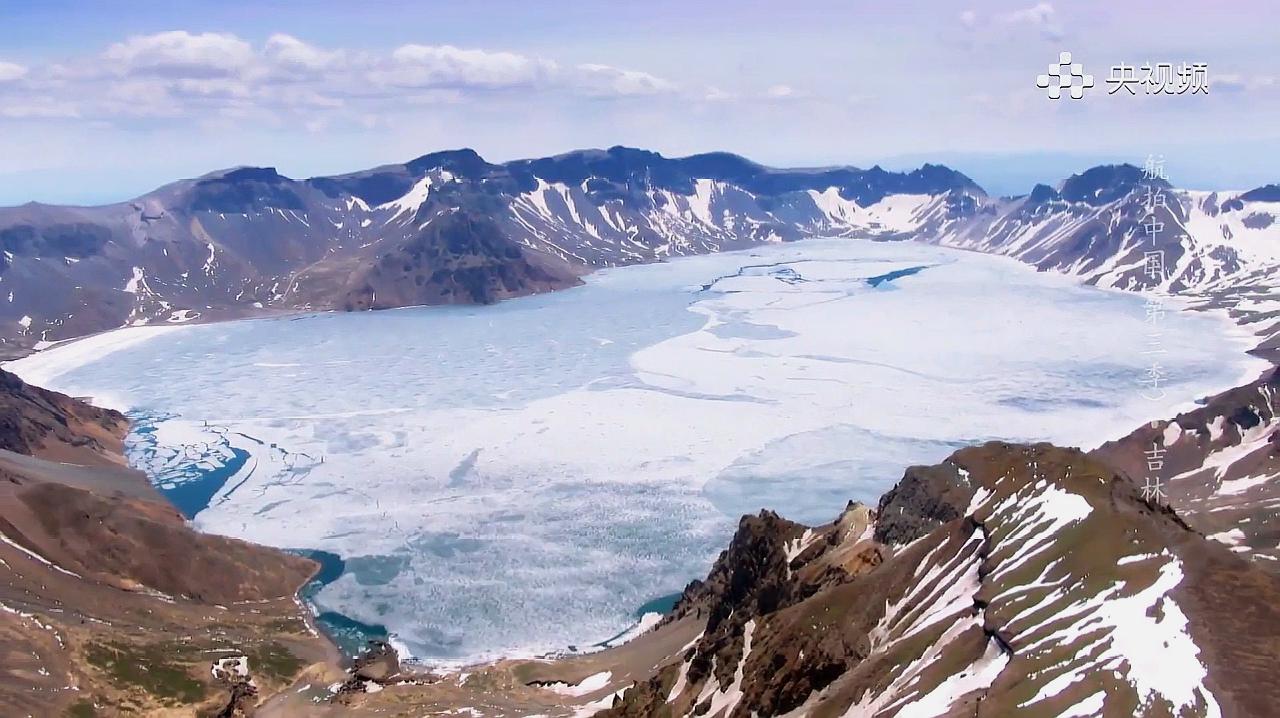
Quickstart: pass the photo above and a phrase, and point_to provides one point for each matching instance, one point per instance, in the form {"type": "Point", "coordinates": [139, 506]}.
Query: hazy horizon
{"type": "Point", "coordinates": [125, 97]}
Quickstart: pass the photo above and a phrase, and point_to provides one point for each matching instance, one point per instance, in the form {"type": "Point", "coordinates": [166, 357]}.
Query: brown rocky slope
{"type": "Point", "coordinates": [48, 425]}
{"type": "Point", "coordinates": [110, 604]}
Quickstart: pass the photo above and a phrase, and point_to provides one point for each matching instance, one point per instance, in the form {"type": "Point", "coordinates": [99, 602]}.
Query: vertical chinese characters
{"type": "Point", "coordinates": [1153, 257]}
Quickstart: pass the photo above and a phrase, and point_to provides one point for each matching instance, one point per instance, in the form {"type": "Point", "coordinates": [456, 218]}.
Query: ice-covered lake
{"type": "Point", "coordinates": [521, 477]}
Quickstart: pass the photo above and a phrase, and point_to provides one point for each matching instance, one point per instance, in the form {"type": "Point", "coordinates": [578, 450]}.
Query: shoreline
{"type": "Point", "coordinates": [98, 340]}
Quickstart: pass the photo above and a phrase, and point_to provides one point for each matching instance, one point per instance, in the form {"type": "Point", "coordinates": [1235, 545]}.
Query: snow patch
{"type": "Point", "coordinates": [590, 684]}
{"type": "Point", "coordinates": [135, 282]}
{"type": "Point", "coordinates": [411, 201]}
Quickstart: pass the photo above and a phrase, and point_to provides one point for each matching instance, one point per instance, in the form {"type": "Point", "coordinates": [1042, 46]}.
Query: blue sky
{"type": "Point", "coordinates": [103, 101]}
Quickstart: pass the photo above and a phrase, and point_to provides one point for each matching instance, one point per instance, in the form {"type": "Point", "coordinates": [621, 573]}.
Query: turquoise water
{"type": "Point", "coordinates": [890, 276]}
{"type": "Point", "coordinates": [198, 485]}
{"type": "Point", "coordinates": [349, 635]}
{"type": "Point", "coordinates": [661, 604]}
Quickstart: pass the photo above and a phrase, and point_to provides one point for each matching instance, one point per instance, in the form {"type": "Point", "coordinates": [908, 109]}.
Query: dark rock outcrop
{"type": "Point", "coordinates": [458, 258]}
{"type": "Point", "coordinates": [379, 663]}
{"type": "Point", "coordinates": [926, 498]}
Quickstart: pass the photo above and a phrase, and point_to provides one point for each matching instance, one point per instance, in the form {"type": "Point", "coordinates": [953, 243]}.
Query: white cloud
{"type": "Point", "coordinates": [293, 56]}
{"type": "Point", "coordinates": [210, 87]}
{"type": "Point", "coordinates": [183, 76]}
{"type": "Point", "coordinates": [11, 71]}
{"type": "Point", "coordinates": [772, 94]}
{"type": "Point", "coordinates": [445, 67]}
{"type": "Point", "coordinates": [607, 80]}
{"type": "Point", "coordinates": [1041, 17]}
{"type": "Point", "coordinates": [432, 66]}
{"type": "Point", "coordinates": [715, 94]}
{"type": "Point", "coordinates": [434, 96]}
{"type": "Point", "coordinates": [783, 93]}
{"type": "Point", "coordinates": [300, 96]}
{"type": "Point", "coordinates": [181, 54]}
{"type": "Point", "coordinates": [38, 109]}
{"type": "Point", "coordinates": [140, 97]}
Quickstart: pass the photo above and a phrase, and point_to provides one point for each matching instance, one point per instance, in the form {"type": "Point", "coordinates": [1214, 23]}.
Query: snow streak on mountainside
{"type": "Point", "coordinates": [450, 227]}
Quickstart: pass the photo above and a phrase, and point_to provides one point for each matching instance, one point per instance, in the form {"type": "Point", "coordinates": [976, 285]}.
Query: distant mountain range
{"type": "Point", "coordinates": [449, 227]}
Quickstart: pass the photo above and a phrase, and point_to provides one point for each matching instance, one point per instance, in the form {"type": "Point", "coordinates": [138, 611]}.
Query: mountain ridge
{"type": "Point", "coordinates": [247, 241]}
{"type": "Point", "coordinates": [467, 156]}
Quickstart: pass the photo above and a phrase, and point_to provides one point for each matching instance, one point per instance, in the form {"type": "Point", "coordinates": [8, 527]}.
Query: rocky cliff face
{"type": "Point", "coordinates": [1046, 586]}
{"type": "Point", "coordinates": [1009, 580]}
{"type": "Point", "coordinates": [110, 604]}
{"type": "Point", "coordinates": [49, 425]}
{"type": "Point", "coordinates": [458, 258]}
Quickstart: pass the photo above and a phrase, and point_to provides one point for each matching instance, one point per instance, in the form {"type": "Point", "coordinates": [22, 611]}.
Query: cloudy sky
{"type": "Point", "coordinates": [103, 101]}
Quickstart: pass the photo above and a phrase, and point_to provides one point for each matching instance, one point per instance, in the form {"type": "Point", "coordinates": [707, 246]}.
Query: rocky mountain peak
{"type": "Point", "coordinates": [1042, 193]}
{"type": "Point", "coordinates": [244, 190]}
{"type": "Point", "coordinates": [267, 175]}
{"type": "Point", "coordinates": [1266, 193]}
{"type": "Point", "coordinates": [1104, 184]}
{"type": "Point", "coordinates": [925, 498]}
{"type": "Point", "coordinates": [464, 162]}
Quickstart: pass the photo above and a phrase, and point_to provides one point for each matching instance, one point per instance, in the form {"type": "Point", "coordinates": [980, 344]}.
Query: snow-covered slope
{"type": "Point", "coordinates": [250, 240]}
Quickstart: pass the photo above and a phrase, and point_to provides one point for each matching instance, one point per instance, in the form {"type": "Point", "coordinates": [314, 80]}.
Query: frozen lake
{"type": "Point", "coordinates": [521, 477]}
